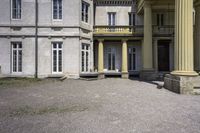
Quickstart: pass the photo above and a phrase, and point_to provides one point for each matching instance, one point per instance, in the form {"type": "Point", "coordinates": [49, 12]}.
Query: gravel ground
{"type": "Point", "coordinates": [99, 106]}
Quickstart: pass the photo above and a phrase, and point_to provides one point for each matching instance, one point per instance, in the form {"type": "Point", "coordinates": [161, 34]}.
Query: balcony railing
{"type": "Point", "coordinates": [118, 29]}
{"type": "Point", "coordinates": [166, 30]}
{"type": "Point", "coordinates": [163, 30]}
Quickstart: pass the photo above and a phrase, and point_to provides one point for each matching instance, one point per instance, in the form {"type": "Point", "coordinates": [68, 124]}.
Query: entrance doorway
{"type": "Point", "coordinates": [163, 55]}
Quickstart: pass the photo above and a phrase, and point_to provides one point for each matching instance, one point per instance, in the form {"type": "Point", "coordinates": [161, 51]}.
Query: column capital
{"type": "Point", "coordinates": [147, 4]}
{"type": "Point", "coordinates": [100, 40]}
{"type": "Point", "coordinates": [124, 40]}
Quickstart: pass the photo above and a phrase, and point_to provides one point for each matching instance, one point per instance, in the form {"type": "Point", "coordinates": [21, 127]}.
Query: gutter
{"type": "Point", "coordinates": [36, 38]}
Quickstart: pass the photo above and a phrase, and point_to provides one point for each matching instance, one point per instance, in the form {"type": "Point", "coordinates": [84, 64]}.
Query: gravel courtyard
{"type": "Point", "coordinates": [98, 106]}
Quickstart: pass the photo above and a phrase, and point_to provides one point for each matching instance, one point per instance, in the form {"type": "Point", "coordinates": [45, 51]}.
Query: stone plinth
{"type": "Point", "coordinates": [180, 84]}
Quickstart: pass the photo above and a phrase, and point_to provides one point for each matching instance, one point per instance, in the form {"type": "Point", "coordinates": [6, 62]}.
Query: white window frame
{"type": "Point", "coordinates": [11, 10]}
{"type": "Point", "coordinates": [58, 19]}
{"type": "Point", "coordinates": [84, 49]}
{"type": "Point", "coordinates": [17, 56]}
{"type": "Point", "coordinates": [57, 59]}
{"type": "Point", "coordinates": [84, 13]}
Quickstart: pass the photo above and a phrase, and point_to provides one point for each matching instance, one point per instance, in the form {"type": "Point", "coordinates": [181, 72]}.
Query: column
{"type": "Point", "coordinates": [197, 37]}
{"type": "Point", "coordinates": [100, 57]}
{"type": "Point", "coordinates": [184, 64]}
{"type": "Point", "coordinates": [147, 44]}
{"type": "Point", "coordinates": [124, 59]}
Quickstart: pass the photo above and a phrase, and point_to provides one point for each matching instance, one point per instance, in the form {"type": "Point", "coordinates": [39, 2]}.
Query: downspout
{"type": "Point", "coordinates": [36, 38]}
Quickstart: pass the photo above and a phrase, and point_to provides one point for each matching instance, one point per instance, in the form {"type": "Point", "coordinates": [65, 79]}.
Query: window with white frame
{"type": "Point", "coordinates": [85, 11]}
{"type": "Point", "coordinates": [111, 18]}
{"type": "Point", "coordinates": [16, 57]}
{"type": "Point", "coordinates": [57, 57]}
{"type": "Point", "coordinates": [85, 54]}
{"type": "Point", "coordinates": [16, 9]}
{"type": "Point", "coordinates": [57, 9]}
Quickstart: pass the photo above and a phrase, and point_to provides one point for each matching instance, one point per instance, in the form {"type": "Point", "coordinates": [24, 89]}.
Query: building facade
{"type": "Point", "coordinates": [55, 38]}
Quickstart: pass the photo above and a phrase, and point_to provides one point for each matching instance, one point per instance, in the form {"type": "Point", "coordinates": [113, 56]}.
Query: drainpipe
{"type": "Point", "coordinates": [36, 38]}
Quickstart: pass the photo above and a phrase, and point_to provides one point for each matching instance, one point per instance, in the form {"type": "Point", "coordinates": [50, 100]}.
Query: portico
{"type": "Point", "coordinates": [118, 57]}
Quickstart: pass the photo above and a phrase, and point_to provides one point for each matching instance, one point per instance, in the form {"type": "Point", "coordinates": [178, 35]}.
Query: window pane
{"type": "Point", "coordinates": [82, 66]}
{"type": "Point", "coordinates": [14, 61]}
{"type": "Point", "coordinates": [113, 61]}
{"type": "Point", "coordinates": [20, 61]}
{"type": "Point", "coordinates": [54, 60]}
{"type": "Point", "coordinates": [60, 61]}
{"type": "Point", "coordinates": [87, 61]}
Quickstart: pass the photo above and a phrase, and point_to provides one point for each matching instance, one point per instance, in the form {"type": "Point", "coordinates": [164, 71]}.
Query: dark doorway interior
{"type": "Point", "coordinates": [163, 55]}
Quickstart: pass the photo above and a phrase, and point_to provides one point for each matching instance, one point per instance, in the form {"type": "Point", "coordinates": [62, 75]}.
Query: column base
{"type": "Point", "coordinates": [101, 76]}
{"type": "Point", "coordinates": [148, 75]}
{"type": "Point", "coordinates": [185, 73]}
{"type": "Point", "coordinates": [125, 75]}
{"type": "Point", "coordinates": [181, 84]}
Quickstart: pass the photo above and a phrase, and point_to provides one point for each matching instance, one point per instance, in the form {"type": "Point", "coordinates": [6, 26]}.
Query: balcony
{"type": "Point", "coordinates": [118, 30]}
{"type": "Point", "coordinates": [137, 31]}
{"type": "Point", "coordinates": [167, 30]}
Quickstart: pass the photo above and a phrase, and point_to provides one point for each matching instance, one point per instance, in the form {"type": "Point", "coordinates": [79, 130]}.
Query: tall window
{"type": "Point", "coordinates": [131, 19]}
{"type": "Point", "coordinates": [111, 18]}
{"type": "Point", "coordinates": [57, 57]}
{"type": "Point", "coordinates": [111, 58]}
{"type": "Point", "coordinates": [160, 19]}
{"type": "Point", "coordinates": [85, 53]}
{"type": "Point", "coordinates": [16, 9]}
{"type": "Point", "coordinates": [85, 10]}
{"type": "Point", "coordinates": [132, 59]}
{"type": "Point", "coordinates": [16, 57]}
{"type": "Point", "coordinates": [57, 9]}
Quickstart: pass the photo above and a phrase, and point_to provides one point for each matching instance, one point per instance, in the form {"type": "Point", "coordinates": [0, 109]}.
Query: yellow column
{"type": "Point", "coordinates": [184, 64]}
{"type": "Point", "coordinates": [124, 59]}
{"type": "Point", "coordinates": [100, 56]}
{"type": "Point", "coordinates": [124, 56]}
{"type": "Point", "coordinates": [147, 43]}
{"type": "Point", "coordinates": [197, 37]}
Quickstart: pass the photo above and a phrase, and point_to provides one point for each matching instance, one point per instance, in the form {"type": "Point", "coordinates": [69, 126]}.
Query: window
{"type": "Point", "coordinates": [111, 58]}
{"type": "Point", "coordinates": [111, 18]}
{"type": "Point", "coordinates": [16, 9]}
{"type": "Point", "coordinates": [57, 57]}
{"type": "Point", "coordinates": [57, 9]}
{"type": "Point", "coordinates": [85, 10]}
{"type": "Point", "coordinates": [131, 19]}
{"type": "Point", "coordinates": [16, 57]}
{"type": "Point", "coordinates": [160, 19]}
{"type": "Point", "coordinates": [132, 59]}
{"type": "Point", "coordinates": [85, 54]}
